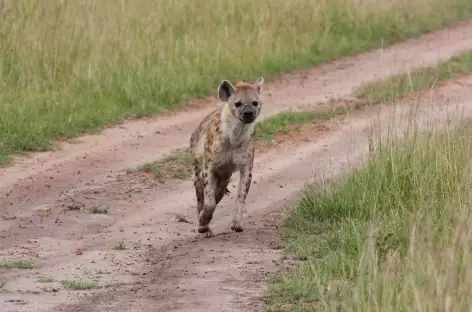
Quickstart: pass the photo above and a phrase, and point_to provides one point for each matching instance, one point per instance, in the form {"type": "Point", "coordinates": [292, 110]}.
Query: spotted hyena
{"type": "Point", "coordinates": [222, 144]}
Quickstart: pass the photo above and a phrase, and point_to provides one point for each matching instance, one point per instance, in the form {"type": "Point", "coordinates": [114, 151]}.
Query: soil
{"type": "Point", "coordinates": [166, 265]}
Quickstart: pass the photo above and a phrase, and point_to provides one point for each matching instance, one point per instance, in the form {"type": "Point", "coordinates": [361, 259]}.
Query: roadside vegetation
{"type": "Point", "coordinates": [69, 67]}
{"type": "Point", "coordinates": [394, 235]}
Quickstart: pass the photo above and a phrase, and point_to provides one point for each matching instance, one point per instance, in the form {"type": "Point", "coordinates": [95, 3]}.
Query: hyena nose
{"type": "Point", "coordinates": [248, 114]}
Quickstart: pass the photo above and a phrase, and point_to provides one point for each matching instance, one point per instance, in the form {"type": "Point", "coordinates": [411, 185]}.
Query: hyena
{"type": "Point", "coordinates": [222, 144]}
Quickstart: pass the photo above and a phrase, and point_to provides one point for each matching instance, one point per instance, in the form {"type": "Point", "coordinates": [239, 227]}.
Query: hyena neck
{"type": "Point", "coordinates": [234, 130]}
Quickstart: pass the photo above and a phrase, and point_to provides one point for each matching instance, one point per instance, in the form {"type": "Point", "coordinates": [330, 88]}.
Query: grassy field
{"type": "Point", "coordinates": [394, 235]}
{"type": "Point", "coordinates": [69, 67]}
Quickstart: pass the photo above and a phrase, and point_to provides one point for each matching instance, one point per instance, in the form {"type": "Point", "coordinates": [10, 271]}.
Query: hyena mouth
{"type": "Point", "coordinates": [247, 120]}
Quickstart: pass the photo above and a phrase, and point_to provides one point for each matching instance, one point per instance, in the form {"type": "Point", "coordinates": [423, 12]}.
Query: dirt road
{"type": "Point", "coordinates": [166, 266]}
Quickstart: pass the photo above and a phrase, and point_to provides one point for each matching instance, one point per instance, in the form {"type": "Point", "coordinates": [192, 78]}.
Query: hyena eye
{"type": "Point", "coordinates": [255, 103]}
{"type": "Point", "coordinates": [238, 104]}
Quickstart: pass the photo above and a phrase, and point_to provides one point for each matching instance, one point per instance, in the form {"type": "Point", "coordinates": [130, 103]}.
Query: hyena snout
{"type": "Point", "coordinates": [248, 115]}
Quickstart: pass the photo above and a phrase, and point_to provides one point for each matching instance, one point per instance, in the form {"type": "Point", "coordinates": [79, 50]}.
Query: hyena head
{"type": "Point", "coordinates": [243, 100]}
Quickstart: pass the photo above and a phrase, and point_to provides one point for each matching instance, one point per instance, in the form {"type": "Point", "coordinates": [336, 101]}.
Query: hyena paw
{"type": "Point", "coordinates": [204, 218]}
{"type": "Point", "coordinates": [236, 226]}
{"type": "Point", "coordinates": [205, 230]}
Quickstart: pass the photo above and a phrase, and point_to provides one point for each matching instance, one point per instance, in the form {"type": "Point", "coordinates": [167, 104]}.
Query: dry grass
{"type": "Point", "coordinates": [67, 67]}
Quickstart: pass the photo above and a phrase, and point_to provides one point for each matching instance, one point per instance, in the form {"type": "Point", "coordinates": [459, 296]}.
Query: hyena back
{"type": "Point", "coordinates": [222, 144]}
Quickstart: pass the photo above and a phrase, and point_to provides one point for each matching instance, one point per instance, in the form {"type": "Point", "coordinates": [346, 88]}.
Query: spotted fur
{"type": "Point", "coordinates": [222, 144]}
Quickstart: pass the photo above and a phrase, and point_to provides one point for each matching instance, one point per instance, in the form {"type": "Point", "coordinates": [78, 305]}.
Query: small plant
{"type": "Point", "coordinates": [98, 210]}
{"type": "Point", "coordinates": [46, 279]}
{"type": "Point", "coordinates": [79, 285]}
{"type": "Point", "coordinates": [18, 264]}
{"type": "Point", "coordinates": [3, 285]}
{"type": "Point", "coordinates": [119, 246]}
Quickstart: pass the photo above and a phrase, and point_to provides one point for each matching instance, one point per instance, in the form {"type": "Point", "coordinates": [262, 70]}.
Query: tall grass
{"type": "Point", "coordinates": [395, 235]}
{"type": "Point", "coordinates": [67, 67]}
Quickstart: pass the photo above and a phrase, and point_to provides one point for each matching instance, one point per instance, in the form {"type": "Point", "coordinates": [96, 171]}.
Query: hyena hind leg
{"type": "Point", "coordinates": [199, 188]}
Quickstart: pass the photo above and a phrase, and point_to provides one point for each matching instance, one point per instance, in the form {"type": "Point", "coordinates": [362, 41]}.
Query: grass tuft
{"type": "Point", "coordinates": [119, 246]}
{"type": "Point", "coordinates": [393, 235]}
{"type": "Point", "coordinates": [69, 67]}
{"type": "Point", "coordinates": [99, 210]}
{"type": "Point", "coordinates": [74, 285]}
{"type": "Point", "coordinates": [15, 264]}
{"type": "Point", "coordinates": [46, 279]}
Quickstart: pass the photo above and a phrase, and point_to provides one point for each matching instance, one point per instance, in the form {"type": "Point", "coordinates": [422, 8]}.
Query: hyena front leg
{"type": "Point", "coordinates": [209, 200]}
{"type": "Point", "coordinates": [222, 181]}
{"type": "Point", "coordinates": [243, 189]}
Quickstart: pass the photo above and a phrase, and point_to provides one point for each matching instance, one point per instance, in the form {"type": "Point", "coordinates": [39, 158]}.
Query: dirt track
{"type": "Point", "coordinates": [166, 266]}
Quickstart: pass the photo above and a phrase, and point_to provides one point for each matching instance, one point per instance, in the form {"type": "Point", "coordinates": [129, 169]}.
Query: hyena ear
{"type": "Point", "coordinates": [225, 90]}
{"type": "Point", "coordinates": [258, 84]}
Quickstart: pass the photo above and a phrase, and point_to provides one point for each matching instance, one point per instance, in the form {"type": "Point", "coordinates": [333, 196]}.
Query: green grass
{"type": "Point", "coordinates": [74, 285]}
{"type": "Point", "coordinates": [119, 246]}
{"type": "Point", "coordinates": [15, 264]}
{"type": "Point", "coordinates": [98, 209]}
{"type": "Point", "coordinates": [268, 128]}
{"type": "Point", "coordinates": [177, 165]}
{"type": "Point", "coordinates": [394, 235]}
{"type": "Point", "coordinates": [69, 67]}
{"type": "Point", "coordinates": [46, 279]}
{"type": "Point", "coordinates": [419, 80]}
